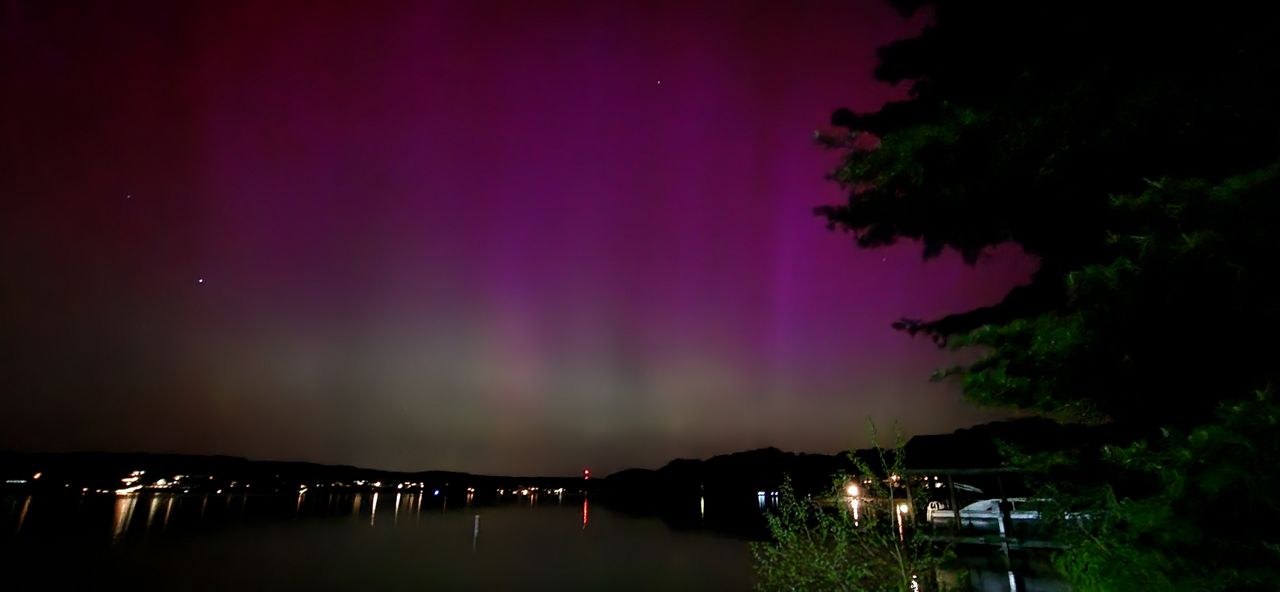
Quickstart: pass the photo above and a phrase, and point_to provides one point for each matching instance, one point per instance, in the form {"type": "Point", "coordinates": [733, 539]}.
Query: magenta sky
{"type": "Point", "coordinates": [518, 237]}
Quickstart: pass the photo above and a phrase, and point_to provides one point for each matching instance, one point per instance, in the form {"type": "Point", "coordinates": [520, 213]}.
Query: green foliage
{"type": "Point", "coordinates": [1020, 133]}
{"type": "Point", "coordinates": [1135, 151]}
{"type": "Point", "coordinates": [1028, 135]}
{"type": "Point", "coordinates": [831, 544]}
{"type": "Point", "coordinates": [1189, 276]}
{"type": "Point", "coordinates": [1186, 511]}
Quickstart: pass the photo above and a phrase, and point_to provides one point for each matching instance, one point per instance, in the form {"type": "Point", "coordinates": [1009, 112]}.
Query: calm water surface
{"type": "Point", "coordinates": [347, 541]}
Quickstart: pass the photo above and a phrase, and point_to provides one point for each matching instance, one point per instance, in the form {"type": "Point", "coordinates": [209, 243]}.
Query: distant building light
{"type": "Point", "coordinates": [852, 490]}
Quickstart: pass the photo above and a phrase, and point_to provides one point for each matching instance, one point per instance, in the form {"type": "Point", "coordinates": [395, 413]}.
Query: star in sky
{"type": "Point", "coordinates": [494, 328]}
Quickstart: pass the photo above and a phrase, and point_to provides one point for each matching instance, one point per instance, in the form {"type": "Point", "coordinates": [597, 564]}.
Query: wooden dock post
{"type": "Point", "coordinates": [955, 508]}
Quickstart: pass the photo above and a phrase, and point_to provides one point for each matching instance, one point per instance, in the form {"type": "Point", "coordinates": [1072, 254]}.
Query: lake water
{"type": "Point", "coordinates": [353, 542]}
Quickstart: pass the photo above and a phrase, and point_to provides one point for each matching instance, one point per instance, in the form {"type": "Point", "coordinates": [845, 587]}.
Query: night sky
{"type": "Point", "coordinates": [523, 237]}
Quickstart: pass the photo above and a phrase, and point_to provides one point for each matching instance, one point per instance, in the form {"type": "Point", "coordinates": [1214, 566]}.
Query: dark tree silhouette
{"type": "Point", "coordinates": [1134, 148]}
{"type": "Point", "coordinates": [1125, 145]}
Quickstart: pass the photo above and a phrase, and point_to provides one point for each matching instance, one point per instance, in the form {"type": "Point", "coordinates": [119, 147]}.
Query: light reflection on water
{"type": "Point", "coordinates": [313, 542]}
{"type": "Point", "coordinates": [22, 514]}
{"type": "Point", "coordinates": [123, 514]}
{"type": "Point", "coordinates": [151, 511]}
{"type": "Point", "coordinates": [317, 538]}
{"type": "Point", "coordinates": [161, 507]}
{"type": "Point", "coordinates": [168, 509]}
{"type": "Point", "coordinates": [165, 509]}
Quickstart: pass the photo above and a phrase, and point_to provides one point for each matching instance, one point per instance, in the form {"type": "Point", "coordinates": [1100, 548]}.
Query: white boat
{"type": "Point", "coordinates": [985, 513]}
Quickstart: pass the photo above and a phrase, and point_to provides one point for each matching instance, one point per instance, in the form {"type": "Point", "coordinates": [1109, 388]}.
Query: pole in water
{"type": "Point", "coordinates": [475, 532]}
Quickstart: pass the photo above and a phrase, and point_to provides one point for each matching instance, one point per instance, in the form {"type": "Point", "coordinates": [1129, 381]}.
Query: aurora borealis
{"type": "Point", "coordinates": [520, 237]}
